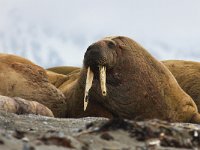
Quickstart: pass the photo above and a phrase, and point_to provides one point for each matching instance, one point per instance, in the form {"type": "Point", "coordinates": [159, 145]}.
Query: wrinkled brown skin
{"type": "Point", "coordinates": [187, 74]}
{"type": "Point", "coordinates": [62, 76]}
{"type": "Point", "coordinates": [138, 86]}
{"type": "Point", "coordinates": [61, 81]}
{"type": "Point", "coordinates": [20, 106]}
{"type": "Point", "coordinates": [20, 77]}
{"type": "Point", "coordinates": [65, 70]}
{"type": "Point", "coordinates": [55, 78]}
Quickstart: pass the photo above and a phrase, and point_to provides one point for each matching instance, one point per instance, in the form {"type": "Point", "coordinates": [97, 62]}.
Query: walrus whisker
{"type": "Point", "coordinates": [102, 76]}
{"type": "Point", "coordinates": [88, 85]}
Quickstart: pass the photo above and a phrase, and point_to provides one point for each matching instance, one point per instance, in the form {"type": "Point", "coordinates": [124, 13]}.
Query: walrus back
{"type": "Point", "coordinates": [187, 74]}
{"type": "Point", "coordinates": [21, 78]}
{"type": "Point", "coordinates": [156, 90]}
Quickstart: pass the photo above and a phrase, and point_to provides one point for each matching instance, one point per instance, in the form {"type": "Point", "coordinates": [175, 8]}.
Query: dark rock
{"type": "Point", "coordinates": [107, 136]}
{"type": "Point", "coordinates": [59, 141]}
{"type": "Point", "coordinates": [19, 134]}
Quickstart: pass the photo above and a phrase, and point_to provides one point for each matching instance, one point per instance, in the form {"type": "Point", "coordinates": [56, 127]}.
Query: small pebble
{"type": "Point", "coordinates": [153, 142]}
{"type": "Point", "coordinates": [25, 139]}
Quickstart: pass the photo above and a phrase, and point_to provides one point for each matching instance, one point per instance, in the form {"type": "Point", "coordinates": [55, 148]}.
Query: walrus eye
{"type": "Point", "coordinates": [89, 48]}
{"type": "Point", "coordinates": [111, 44]}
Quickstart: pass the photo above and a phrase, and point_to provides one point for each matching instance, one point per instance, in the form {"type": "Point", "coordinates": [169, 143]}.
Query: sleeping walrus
{"type": "Point", "coordinates": [187, 74]}
{"type": "Point", "coordinates": [20, 77]}
{"type": "Point", "coordinates": [65, 70]}
{"type": "Point", "coordinates": [120, 78]}
{"type": "Point", "coordinates": [58, 75]}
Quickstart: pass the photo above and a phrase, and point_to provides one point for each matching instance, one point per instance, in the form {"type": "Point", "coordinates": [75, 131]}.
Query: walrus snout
{"type": "Point", "coordinates": [100, 54]}
{"type": "Point", "coordinates": [95, 61]}
{"type": "Point", "coordinates": [95, 57]}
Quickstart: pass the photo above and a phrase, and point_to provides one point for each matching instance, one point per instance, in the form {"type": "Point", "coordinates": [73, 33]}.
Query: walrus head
{"type": "Point", "coordinates": [102, 59]}
{"type": "Point", "coordinates": [99, 57]}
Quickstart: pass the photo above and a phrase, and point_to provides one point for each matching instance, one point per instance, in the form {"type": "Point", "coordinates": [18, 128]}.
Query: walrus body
{"type": "Point", "coordinates": [20, 77]}
{"type": "Point", "coordinates": [65, 70]}
{"type": "Point", "coordinates": [55, 78]}
{"type": "Point", "coordinates": [187, 74]}
{"type": "Point", "coordinates": [137, 85]}
{"type": "Point", "coordinates": [58, 75]}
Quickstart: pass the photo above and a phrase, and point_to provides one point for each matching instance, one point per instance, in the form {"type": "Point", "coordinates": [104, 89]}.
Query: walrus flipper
{"type": "Point", "coordinates": [195, 118]}
{"type": "Point", "coordinates": [21, 106]}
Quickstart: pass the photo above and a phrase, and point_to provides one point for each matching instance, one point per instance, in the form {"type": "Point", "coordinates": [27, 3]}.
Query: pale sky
{"type": "Point", "coordinates": [169, 29]}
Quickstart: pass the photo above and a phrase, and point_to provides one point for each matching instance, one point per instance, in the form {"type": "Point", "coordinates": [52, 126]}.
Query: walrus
{"type": "Point", "coordinates": [55, 78]}
{"type": "Point", "coordinates": [187, 74]}
{"type": "Point", "coordinates": [20, 77]}
{"type": "Point", "coordinates": [119, 78]}
{"type": "Point", "coordinates": [65, 70]}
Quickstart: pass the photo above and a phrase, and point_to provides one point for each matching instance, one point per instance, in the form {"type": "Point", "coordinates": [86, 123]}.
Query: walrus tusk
{"type": "Point", "coordinates": [102, 76]}
{"type": "Point", "coordinates": [88, 85]}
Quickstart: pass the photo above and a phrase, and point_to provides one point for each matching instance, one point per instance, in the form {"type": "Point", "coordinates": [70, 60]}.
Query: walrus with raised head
{"type": "Point", "coordinates": [187, 74]}
{"type": "Point", "coordinates": [120, 78]}
{"type": "Point", "coordinates": [20, 77]}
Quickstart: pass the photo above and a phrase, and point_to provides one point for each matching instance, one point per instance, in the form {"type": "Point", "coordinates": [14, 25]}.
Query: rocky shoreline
{"type": "Point", "coordinates": [31, 132]}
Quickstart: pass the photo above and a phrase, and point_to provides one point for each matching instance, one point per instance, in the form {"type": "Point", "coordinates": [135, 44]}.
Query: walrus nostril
{"type": "Point", "coordinates": [101, 61]}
